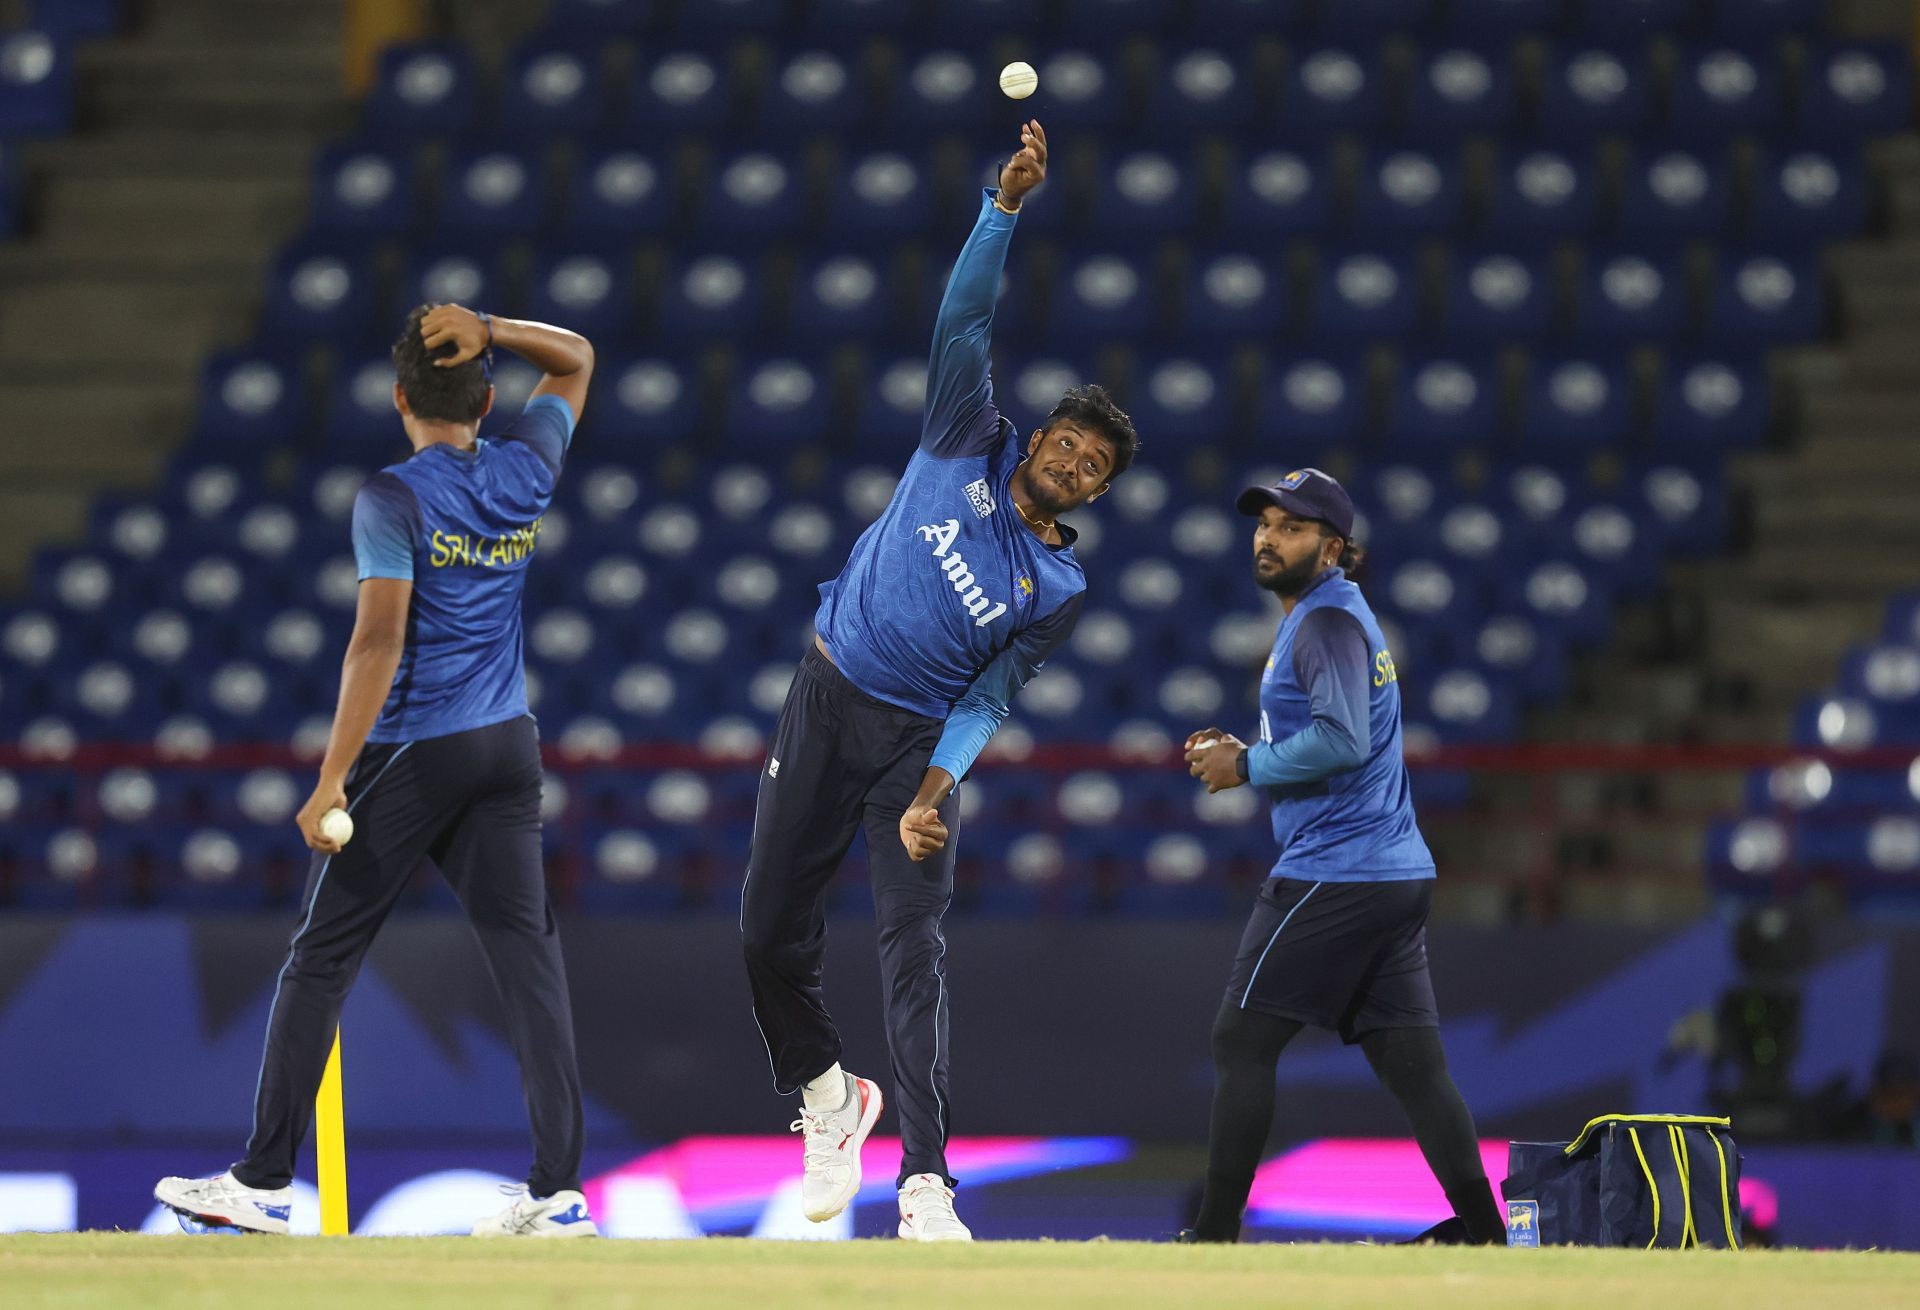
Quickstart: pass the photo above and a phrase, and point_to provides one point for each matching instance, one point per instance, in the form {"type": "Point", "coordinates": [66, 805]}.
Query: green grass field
{"type": "Point", "coordinates": [124, 1269]}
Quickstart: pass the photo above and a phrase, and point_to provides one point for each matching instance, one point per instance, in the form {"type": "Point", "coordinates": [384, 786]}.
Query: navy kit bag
{"type": "Point", "coordinates": [1645, 1180]}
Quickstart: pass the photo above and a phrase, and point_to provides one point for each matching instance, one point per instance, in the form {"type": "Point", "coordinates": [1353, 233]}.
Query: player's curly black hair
{"type": "Point", "coordinates": [1090, 406]}
{"type": "Point", "coordinates": [447, 395]}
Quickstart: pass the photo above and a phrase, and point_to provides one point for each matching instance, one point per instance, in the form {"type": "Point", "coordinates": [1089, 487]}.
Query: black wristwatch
{"type": "Point", "coordinates": [1240, 766]}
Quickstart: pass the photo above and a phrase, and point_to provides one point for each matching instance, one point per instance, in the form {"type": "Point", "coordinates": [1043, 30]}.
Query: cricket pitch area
{"type": "Point", "coordinates": [126, 1269]}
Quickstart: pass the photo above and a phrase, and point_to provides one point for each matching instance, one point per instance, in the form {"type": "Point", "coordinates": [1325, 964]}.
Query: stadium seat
{"type": "Point", "coordinates": [1594, 89]}
{"type": "Point", "coordinates": [1310, 404]}
{"type": "Point", "coordinates": [429, 90]}
{"type": "Point", "coordinates": [1575, 405]}
{"type": "Point", "coordinates": [711, 296]}
{"type": "Point", "coordinates": [881, 194]}
{"type": "Point", "coordinates": [1542, 194]}
{"type": "Point", "coordinates": [491, 196]}
{"type": "Point", "coordinates": [36, 85]}
{"type": "Point", "coordinates": [1719, 91]}
{"type": "Point", "coordinates": [680, 91]}
{"type": "Point", "coordinates": [1560, 595]}
{"type": "Point", "coordinates": [361, 422]}
{"type": "Point", "coordinates": [1202, 90]}
{"type": "Point", "coordinates": [776, 404]}
{"type": "Point", "coordinates": [1712, 403]}
{"type": "Point", "coordinates": [1186, 400]}
{"type": "Point", "coordinates": [1458, 90]}
{"type": "Point", "coordinates": [1765, 299]}
{"type": "Point", "coordinates": [1441, 404]}
{"type": "Point", "coordinates": [892, 405]}
{"type": "Point", "coordinates": [1363, 294]}
{"type": "Point", "coordinates": [1086, 91]}
{"type": "Point", "coordinates": [249, 400]}
{"type": "Point", "coordinates": [1407, 192]}
{"type": "Point", "coordinates": [553, 90]}
{"type": "Point", "coordinates": [618, 193]}
{"type": "Point", "coordinates": [1675, 194]}
{"type": "Point", "coordinates": [1630, 297]}
{"type": "Point", "coordinates": [1510, 649]}
{"type": "Point", "coordinates": [1332, 89]}
{"type": "Point", "coordinates": [840, 298]}
{"type": "Point", "coordinates": [1119, 18]}
{"type": "Point", "coordinates": [592, 294]}
{"type": "Point", "coordinates": [753, 193]}
{"type": "Point", "coordinates": [814, 91]}
{"type": "Point", "coordinates": [1101, 296]}
{"type": "Point", "coordinates": [940, 90]}
{"type": "Point", "coordinates": [1853, 91]}
{"type": "Point", "coordinates": [1687, 507]}
{"type": "Point", "coordinates": [1807, 195]}
{"type": "Point", "coordinates": [1145, 192]}
{"type": "Point", "coordinates": [1235, 294]}
{"type": "Point", "coordinates": [436, 277]}
{"type": "Point", "coordinates": [357, 189]}
{"type": "Point", "coordinates": [1496, 297]}
{"type": "Point", "coordinates": [318, 293]}
{"type": "Point", "coordinates": [1279, 193]}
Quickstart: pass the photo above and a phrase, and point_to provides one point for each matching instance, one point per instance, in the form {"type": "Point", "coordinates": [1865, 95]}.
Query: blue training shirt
{"type": "Point", "coordinates": [461, 525]}
{"type": "Point", "coordinates": [1330, 752]}
{"type": "Point", "coordinates": [949, 603]}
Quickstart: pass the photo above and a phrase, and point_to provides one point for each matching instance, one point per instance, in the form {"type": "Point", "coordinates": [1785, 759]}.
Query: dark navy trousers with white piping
{"type": "Point", "coordinates": [470, 801]}
{"type": "Point", "coordinates": [841, 762]}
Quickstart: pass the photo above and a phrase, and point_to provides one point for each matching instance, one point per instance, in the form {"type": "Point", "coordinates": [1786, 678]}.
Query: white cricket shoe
{"type": "Point", "coordinates": [226, 1202]}
{"type": "Point", "coordinates": [926, 1211]}
{"type": "Point", "coordinates": [833, 1140]}
{"type": "Point", "coordinates": [564, 1214]}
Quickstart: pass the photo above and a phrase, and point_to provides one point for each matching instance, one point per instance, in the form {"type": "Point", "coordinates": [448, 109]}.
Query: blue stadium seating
{"type": "Point", "coordinates": [1332, 89]}
{"type": "Point", "coordinates": [363, 190]}
{"type": "Point", "coordinates": [1594, 89]}
{"type": "Point", "coordinates": [1276, 251]}
{"type": "Point", "coordinates": [424, 91]}
{"type": "Point", "coordinates": [553, 90]}
{"type": "Point", "coordinates": [679, 91]}
{"type": "Point", "coordinates": [1543, 194]}
{"type": "Point", "coordinates": [1460, 89]}
{"type": "Point", "coordinates": [36, 84]}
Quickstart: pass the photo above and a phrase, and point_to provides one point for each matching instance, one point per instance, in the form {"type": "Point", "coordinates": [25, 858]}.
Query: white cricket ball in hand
{"type": "Point", "coordinates": [1206, 742]}
{"type": "Point", "coordinates": [1019, 80]}
{"type": "Point", "coordinates": [336, 825]}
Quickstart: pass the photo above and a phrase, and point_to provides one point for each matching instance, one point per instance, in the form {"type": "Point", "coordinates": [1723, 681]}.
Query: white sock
{"type": "Point", "coordinates": [826, 1093]}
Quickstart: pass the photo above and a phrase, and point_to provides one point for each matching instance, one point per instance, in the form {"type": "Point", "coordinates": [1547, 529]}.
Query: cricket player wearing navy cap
{"type": "Point", "coordinates": [1338, 937]}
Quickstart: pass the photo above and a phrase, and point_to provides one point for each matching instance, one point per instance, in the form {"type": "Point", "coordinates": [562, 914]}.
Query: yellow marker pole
{"type": "Point", "coordinates": [330, 1146]}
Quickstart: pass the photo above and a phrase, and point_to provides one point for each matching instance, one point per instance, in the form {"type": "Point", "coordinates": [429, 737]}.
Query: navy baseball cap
{"type": "Point", "coordinates": [1308, 493]}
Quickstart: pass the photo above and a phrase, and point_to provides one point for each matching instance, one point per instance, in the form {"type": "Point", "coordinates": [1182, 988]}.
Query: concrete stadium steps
{"type": "Point", "coordinates": [151, 226]}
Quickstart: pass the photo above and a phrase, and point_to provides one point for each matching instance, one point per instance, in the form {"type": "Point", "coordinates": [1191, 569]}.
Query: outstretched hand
{"type": "Point", "coordinates": [921, 832]}
{"type": "Point", "coordinates": [456, 324]}
{"type": "Point", "coordinates": [1026, 170]}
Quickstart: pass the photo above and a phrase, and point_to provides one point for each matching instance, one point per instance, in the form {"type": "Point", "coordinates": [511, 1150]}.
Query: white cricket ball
{"type": "Point", "coordinates": [1019, 80]}
{"type": "Point", "coordinates": [336, 825]}
{"type": "Point", "coordinates": [1206, 742]}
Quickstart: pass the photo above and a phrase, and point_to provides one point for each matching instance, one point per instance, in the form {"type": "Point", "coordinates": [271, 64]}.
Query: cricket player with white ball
{"type": "Point", "coordinates": [434, 754]}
